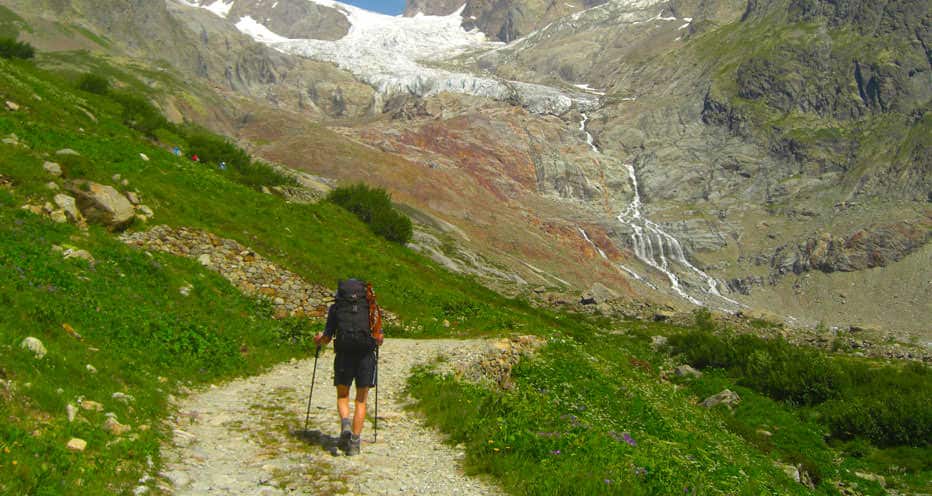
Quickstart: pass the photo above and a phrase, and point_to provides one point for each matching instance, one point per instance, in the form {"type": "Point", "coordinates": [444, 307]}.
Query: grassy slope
{"type": "Point", "coordinates": [128, 306]}
{"type": "Point", "coordinates": [564, 422]}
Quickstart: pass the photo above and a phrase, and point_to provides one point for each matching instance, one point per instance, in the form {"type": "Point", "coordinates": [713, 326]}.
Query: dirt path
{"type": "Point", "coordinates": [245, 437]}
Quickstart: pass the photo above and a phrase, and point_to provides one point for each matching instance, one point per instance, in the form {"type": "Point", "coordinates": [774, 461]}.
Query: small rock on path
{"type": "Point", "coordinates": [245, 437]}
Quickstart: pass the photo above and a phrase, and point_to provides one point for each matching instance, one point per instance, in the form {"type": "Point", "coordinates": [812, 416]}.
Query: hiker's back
{"type": "Point", "coordinates": [351, 311]}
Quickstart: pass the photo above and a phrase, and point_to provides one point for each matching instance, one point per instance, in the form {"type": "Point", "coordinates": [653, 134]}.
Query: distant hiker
{"type": "Point", "coordinates": [223, 166]}
{"type": "Point", "coordinates": [354, 321]}
{"type": "Point", "coordinates": [176, 151]}
{"type": "Point", "coordinates": [195, 158]}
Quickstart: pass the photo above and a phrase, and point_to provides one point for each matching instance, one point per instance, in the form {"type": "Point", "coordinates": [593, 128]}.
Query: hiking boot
{"type": "Point", "coordinates": [354, 445]}
{"type": "Point", "coordinates": [345, 437]}
{"type": "Point", "coordinates": [345, 433]}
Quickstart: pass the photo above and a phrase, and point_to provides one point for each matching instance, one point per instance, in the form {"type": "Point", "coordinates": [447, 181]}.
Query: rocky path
{"type": "Point", "coordinates": [246, 437]}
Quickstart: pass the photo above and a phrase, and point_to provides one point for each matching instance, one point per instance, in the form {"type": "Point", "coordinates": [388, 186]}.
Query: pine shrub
{"type": "Point", "coordinates": [374, 207]}
{"type": "Point", "coordinates": [93, 83]}
{"type": "Point", "coordinates": [12, 49]}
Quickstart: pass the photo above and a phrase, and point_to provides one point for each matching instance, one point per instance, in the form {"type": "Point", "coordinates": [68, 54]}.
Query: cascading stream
{"type": "Point", "coordinates": [652, 245]}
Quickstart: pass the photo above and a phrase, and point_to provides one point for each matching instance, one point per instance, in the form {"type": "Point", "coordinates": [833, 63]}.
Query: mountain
{"type": "Point", "coordinates": [767, 157]}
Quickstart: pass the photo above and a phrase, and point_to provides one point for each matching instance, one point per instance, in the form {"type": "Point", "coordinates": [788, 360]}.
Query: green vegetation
{"type": "Point", "coordinates": [588, 416]}
{"type": "Point", "coordinates": [11, 24]}
{"type": "Point", "coordinates": [374, 207]}
{"type": "Point", "coordinates": [890, 406]}
{"type": "Point", "coordinates": [94, 83]}
{"type": "Point", "coordinates": [566, 419]}
{"type": "Point", "coordinates": [12, 49]}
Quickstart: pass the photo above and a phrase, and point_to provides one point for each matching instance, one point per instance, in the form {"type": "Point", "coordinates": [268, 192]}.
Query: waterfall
{"type": "Point", "coordinates": [652, 245]}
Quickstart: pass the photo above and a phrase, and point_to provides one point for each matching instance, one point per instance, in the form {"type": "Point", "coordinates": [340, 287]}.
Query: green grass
{"type": "Point", "coordinates": [136, 326]}
{"type": "Point", "coordinates": [561, 430]}
{"type": "Point", "coordinates": [11, 24]}
{"type": "Point", "coordinates": [564, 420]}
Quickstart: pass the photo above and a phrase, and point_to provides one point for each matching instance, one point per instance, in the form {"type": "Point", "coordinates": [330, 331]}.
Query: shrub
{"type": "Point", "coordinates": [213, 149]}
{"type": "Point", "coordinates": [139, 113]}
{"type": "Point", "coordinates": [12, 49]}
{"type": "Point", "coordinates": [886, 405]}
{"type": "Point", "coordinates": [374, 207]}
{"type": "Point", "coordinates": [93, 83]}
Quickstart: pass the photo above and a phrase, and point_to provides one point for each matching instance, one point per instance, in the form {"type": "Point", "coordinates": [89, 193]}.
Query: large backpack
{"type": "Point", "coordinates": [351, 309]}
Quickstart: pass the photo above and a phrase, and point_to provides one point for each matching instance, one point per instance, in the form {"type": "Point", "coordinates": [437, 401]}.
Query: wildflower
{"type": "Point", "coordinates": [491, 441]}
{"type": "Point", "coordinates": [628, 439]}
{"type": "Point", "coordinates": [555, 452]}
{"type": "Point", "coordinates": [607, 481]}
{"type": "Point", "coordinates": [496, 449]}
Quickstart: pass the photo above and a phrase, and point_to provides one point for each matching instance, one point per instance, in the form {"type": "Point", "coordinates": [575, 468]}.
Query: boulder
{"type": "Point", "coordinates": [144, 157]}
{"type": "Point", "coordinates": [600, 293]}
{"type": "Point", "coordinates": [70, 253]}
{"type": "Point", "coordinates": [72, 412]}
{"type": "Point", "coordinates": [70, 207]}
{"type": "Point", "coordinates": [53, 186]}
{"type": "Point", "coordinates": [687, 371]}
{"type": "Point", "coordinates": [727, 397]}
{"type": "Point", "coordinates": [103, 204]}
{"type": "Point", "coordinates": [663, 315]}
{"type": "Point", "coordinates": [67, 151]}
{"type": "Point", "coordinates": [52, 168]}
{"type": "Point", "coordinates": [58, 216]}
{"type": "Point", "coordinates": [132, 197]}
{"type": "Point", "coordinates": [76, 444]}
{"type": "Point", "coordinates": [12, 106]}
{"type": "Point", "coordinates": [144, 210]}
{"type": "Point", "coordinates": [35, 346]}
{"type": "Point", "coordinates": [113, 426]}
{"type": "Point", "coordinates": [657, 342]}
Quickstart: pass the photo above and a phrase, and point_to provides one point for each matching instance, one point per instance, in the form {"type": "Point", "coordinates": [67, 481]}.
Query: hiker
{"type": "Point", "coordinates": [195, 158]}
{"type": "Point", "coordinates": [354, 322]}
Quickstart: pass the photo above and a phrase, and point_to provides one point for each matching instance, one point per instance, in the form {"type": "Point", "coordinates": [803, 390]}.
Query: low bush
{"type": "Point", "coordinates": [213, 149]}
{"type": "Point", "coordinates": [889, 406]}
{"type": "Point", "coordinates": [139, 113]}
{"type": "Point", "coordinates": [93, 83]}
{"type": "Point", "coordinates": [374, 207]}
{"type": "Point", "coordinates": [12, 49]}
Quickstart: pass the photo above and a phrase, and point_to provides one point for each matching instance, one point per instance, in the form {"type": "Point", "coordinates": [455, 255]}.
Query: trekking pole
{"type": "Point", "coordinates": [307, 416]}
{"type": "Point", "coordinates": [377, 394]}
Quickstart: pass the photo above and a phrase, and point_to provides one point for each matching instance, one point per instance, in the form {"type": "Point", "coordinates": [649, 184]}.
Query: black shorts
{"type": "Point", "coordinates": [348, 367]}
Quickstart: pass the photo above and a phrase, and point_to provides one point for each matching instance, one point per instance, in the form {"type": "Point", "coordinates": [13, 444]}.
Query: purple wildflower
{"type": "Point", "coordinates": [555, 452]}
{"type": "Point", "coordinates": [628, 439]}
{"type": "Point", "coordinates": [607, 481]}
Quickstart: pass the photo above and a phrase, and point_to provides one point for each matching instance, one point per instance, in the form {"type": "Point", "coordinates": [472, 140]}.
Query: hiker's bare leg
{"type": "Point", "coordinates": [359, 415]}
{"type": "Point", "coordinates": [343, 401]}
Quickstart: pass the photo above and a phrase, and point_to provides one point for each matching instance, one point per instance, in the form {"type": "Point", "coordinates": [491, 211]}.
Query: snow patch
{"type": "Point", "coordinates": [257, 31]}
{"type": "Point", "coordinates": [221, 8]}
{"type": "Point", "coordinates": [586, 87]}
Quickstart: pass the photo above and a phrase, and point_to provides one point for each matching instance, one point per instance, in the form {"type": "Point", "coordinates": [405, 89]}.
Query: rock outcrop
{"type": "Point", "coordinates": [103, 204]}
{"type": "Point", "coordinates": [288, 293]}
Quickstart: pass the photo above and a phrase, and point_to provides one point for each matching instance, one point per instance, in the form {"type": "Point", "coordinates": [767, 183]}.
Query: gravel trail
{"type": "Point", "coordinates": [246, 437]}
